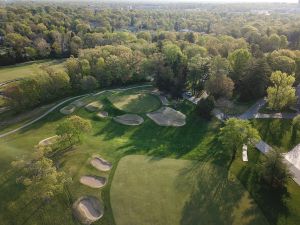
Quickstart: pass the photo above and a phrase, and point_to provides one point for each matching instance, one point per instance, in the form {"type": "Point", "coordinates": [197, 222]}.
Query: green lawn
{"type": "Point", "coordinates": [197, 140]}
{"type": "Point", "coordinates": [27, 69]}
{"type": "Point", "coordinates": [277, 133]}
{"type": "Point", "coordinates": [135, 101]}
{"type": "Point", "coordinates": [147, 190]}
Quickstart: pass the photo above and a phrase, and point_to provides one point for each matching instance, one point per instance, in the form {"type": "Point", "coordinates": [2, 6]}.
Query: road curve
{"type": "Point", "coordinates": [63, 102]}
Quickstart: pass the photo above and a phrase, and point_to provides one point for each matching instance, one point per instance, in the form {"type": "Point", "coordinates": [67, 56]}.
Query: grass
{"type": "Point", "coordinates": [278, 133]}
{"type": "Point", "coordinates": [28, 69]}
{"type": "Point", "coordinates": [135, 102]}
{"type": "Point", "coordinates": [267, 110]}
{"type": "Point", "coordinates": [234, 107]}
{"type": "Point", "coordinates": [197, 140]}
{"type": "Point", "coordinates": [148, 190]}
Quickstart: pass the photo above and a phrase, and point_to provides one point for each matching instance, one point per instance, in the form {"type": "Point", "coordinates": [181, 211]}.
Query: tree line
{"type": "Point", "coordinates": [38, 31]}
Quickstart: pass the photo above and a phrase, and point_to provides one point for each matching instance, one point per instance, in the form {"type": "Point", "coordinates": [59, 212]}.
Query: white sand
{"type": "Point", "coordinates": [101, 164]}
{"type": "Point", "coordinates": [129, 119]}
{"type": "Point", "coordinates": [88, 209]}
{"type": "Point", "coordinates": [93, 181]}
{"type": "Point", "coordinates": [167, 116]}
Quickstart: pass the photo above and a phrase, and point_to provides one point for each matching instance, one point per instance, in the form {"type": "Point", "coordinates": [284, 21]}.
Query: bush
{"type": "Point", "coordinates": [205, 107]}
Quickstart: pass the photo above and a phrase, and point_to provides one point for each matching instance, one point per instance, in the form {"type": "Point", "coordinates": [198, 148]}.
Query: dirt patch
{"type": "Point", "coordinates": [94, 106]}
{"type": "Point", "coordinates": [48, 141]}
{"type": "Point", "coordinates": [88, 209]}
{"type": "Point", "coordinates": [101, 164]}
{"type": "Point", "coordinates": [102, 114]}
{"type": "Point", "coordinates": [129, 119]}
{"type": "Point", "coordinates": [93, 181]}
{"type": "Point", "coordinates": [67, 110]}
{"type": "Point", "coordinates": [167, 116]}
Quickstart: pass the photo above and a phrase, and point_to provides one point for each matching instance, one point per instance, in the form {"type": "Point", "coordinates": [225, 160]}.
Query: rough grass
{"type": "Point", "coordinates": [149, 191]}
{"type": "Point", "coordinates": [28, 69]}
{"type": "Point", "coordinates": [135, 102]}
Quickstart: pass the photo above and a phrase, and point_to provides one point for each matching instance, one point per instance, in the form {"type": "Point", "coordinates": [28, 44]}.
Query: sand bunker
{"type": "Point", "coordinates": [68, 109]}
{"type": "Point", "coordinates": [88, 209]}
{"type": "Point", "coordinates": [129, 119]}
{"type": "Point", "coordinates": [48, 141]}
{"type": "Point", "coordinates": [93, 181]}
{"type": "Point", "coordinates": [102, 114]}
{"type": "Point", "coordinates": [101, 164]}
{"type": "Point", "coordinates": [94, 106]}
{"type": "Point", "coordinates": [167, 117]}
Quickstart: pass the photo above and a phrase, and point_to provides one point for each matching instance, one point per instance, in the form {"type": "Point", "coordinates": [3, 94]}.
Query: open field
{"type": "Point", "coordinates": [149, 191]}
{"type": "Point", "coordinates": [28, 69]}
{"type": "Point", "coordinates": [197, 140]}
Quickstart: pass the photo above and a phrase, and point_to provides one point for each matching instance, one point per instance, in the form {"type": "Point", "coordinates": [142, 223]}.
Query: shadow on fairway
{"type": "Point", "coordinates": [217, 199]}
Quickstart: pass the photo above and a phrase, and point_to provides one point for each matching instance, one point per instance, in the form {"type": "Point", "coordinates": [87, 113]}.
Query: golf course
{"type": "Point", "coordinates": [157, 171]}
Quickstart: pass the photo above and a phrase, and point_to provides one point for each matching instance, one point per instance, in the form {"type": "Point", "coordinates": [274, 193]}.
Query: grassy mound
{"type": "Point", "coordinates": [135, 102]}
{"type": "Point", "coordinates": [178, 192]}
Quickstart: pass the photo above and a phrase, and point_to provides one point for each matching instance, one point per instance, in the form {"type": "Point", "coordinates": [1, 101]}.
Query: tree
{"type": "Point", "coordinates": [282, 93]}
{"type": "Point", "coordinates": [205, 107]}
{"type": "Point", "coordinates": [256, 80]}
{"type": "Point", "coordinates": [75, 45]}
{"type": "Point", "coordinates": [237, 132]}
{"type": "Point", "coordinates": [41, 179]}
{"type": "Point", "coordinates": [89, 83]}
{"type": "Point", "coordinates": [42, 47]}
{"type": "Point", "coordinates": [220, 86]}
{"type": "Point", "coordinates": [71, 130]}
{"type": "Point", "coordinates": [274, 171]}
{"type": "Point", "coordinates": [283, 63]}
{"type": "Point", "coordinates": [198, 73]}
{"type": "Point", "coordinates": [239, 60]}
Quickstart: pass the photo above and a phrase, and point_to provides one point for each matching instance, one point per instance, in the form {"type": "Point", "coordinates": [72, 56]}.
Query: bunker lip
{"type": "Point", "coordinates": [129, 119]}
{"type": "Point", "coordinates": [101, 164]}
{"type": "Point", "coordinates": [94, 106]}
{"type": "Point", "coordinates": [68, 109]}
{"type": "Point", "coordinates": [88, 209]}
{"type": "Point", "coordinates": [102, 114]}
{"type": "Point", "coordinates": [48, 141]}
{"type": "Point", "coordinates": [93, 181]}
{"type": "Point", "coordinates": [167, 116]}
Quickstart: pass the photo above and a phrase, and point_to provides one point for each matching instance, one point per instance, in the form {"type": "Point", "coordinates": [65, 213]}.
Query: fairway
{"type": "Point", "coordinates": [157, 191]}
{"type": "Point", "coordinates": [28, 69]}
{"type": "Point", "coordinates": [135, 102]}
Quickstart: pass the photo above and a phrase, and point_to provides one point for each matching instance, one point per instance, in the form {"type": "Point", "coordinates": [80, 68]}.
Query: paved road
{"type": "Point", "coordinates": [63, 102]}
{"type": "Point", "coordinates": [253, 110]}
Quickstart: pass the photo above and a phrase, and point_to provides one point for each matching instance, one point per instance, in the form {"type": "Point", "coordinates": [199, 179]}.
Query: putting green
{"type": "Point", "coordinates": [179, 192]}
{"type": "Point", "coordinates": [135, 102]}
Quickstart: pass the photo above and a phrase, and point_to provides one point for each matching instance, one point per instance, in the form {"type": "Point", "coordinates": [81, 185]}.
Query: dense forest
{"type": "Point", "coordinates": [220, 50]}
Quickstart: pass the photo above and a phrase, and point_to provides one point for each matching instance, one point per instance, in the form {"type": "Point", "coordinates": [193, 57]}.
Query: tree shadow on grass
{"type": "Point", "coordinates": [158, 141]}
{"type": "Point", "coordinates": [215, 199]}
{"type": "Point", "coordinates": [277, 132]}
{"type": "Point", "coordinates": [271, 201]}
